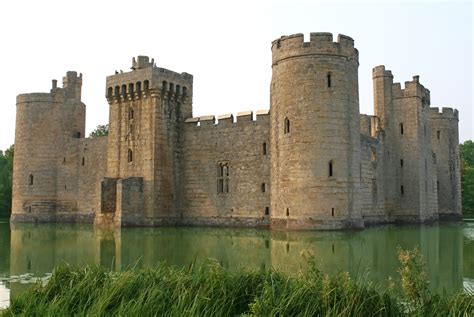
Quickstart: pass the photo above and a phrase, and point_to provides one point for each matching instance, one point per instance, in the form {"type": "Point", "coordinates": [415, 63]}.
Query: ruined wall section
{"type": "Point", "coordinates": [418, 194]}
{"type": "Point", "coordinates": [315, 133]}
{"type": "Point", "coordinates": [445, 142]}
{"type": "Point", "coordinates": [227, 170]}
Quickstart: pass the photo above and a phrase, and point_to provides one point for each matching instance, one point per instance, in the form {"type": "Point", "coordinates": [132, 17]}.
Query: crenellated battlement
{"type": "Point", "coordinates": [229, 119]}
{"type": "Point", "coordinates": [446, 113]}
{"type": "Point", "coordinates": [379, 71]}
{"type": "Point", "coordinates": [320, 43]}
{"type": "Point", "coordinates": [412, 88]}
{"type": "Point", "coordinates": [146, 79]}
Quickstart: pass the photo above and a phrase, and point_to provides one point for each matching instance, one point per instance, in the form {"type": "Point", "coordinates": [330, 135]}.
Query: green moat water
{"type": "Point", "coordinates": [29, 251]}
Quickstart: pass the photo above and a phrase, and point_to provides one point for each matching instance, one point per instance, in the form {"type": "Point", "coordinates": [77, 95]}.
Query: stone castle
{"type": "Point", "coordinates": [310, 162]}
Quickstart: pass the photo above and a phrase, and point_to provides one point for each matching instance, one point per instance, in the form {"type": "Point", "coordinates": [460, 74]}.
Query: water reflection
{"type": "Point", "coordinates": [36, 249]}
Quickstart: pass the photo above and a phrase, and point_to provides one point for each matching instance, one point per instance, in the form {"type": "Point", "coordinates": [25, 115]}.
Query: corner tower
{"type": "Point", "coordinates": [315, 134]}
{"type": "Point", "coordinates": [45, 124]}
{"type": "Point", "coordinates": [445, 143]}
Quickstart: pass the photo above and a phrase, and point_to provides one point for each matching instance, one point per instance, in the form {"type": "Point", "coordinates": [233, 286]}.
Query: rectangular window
{"type": "Point", "coordinates": [264, 148]}
{"type": "Point", "coordinates": [401, 163]}
{"type": "Point", "coordinates": [438, 133]}
{"type": "Point", "coordinates": [223, 178]}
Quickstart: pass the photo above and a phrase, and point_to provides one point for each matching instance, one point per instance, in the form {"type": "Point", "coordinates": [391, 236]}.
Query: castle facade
{"type": "Point", "coordinates": [310, 162]}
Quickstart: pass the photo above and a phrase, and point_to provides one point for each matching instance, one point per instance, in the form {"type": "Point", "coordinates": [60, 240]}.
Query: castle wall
{"type": "Point", "coordinates": [313, 162]}
{"type": "Point", "coordinates": [445, 140]}
{"type": "Point", "coordinates": [240, 147]}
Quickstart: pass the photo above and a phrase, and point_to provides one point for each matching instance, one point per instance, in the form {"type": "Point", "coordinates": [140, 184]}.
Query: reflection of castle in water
{"type": "Point", "coordinates": [37, 249]}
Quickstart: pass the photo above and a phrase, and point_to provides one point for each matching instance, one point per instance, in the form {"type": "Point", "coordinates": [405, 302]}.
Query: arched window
{"type": "Point", "coordinates": [164, 86]}
{"type": "Point", "coordinates": [130, 89]}
{"type": "Point", "coordinates": [287, 126]}
{"type": "Point", "coordinates": [146, 85]}
{"type": "Point", "coordinates": [178, 89]}
{"type": "Point", "coordinates": [31, 179]}
{"type": "Point", "coordinates": [124, 91]}
{"type": "Point", "coordinates": [401, 128]}
{"type": "Point", "coordinates": [171, 87]}
{"type": "Point", "coordinates": [117, 91]}
{"type": "Point", "coordinates": [328, 80]}
{"type": "Point", "coordinates": [130, 113]}
{"type": "Point", "coordinates": [331, 168]}
{"type": "Point", "coordinates": [130, 155]}
{"type": "Point", "coordinates": [110, 92]}
{"type": "Point", "coordinates": [139, 87]}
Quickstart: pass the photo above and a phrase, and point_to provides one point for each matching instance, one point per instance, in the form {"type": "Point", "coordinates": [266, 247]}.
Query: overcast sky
{"type": "Point", "coordinates": [226, 46]}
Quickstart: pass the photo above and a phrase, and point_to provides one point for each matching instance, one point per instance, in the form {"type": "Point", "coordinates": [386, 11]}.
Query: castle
{"type": "Point", "coordinates": [310, 162]}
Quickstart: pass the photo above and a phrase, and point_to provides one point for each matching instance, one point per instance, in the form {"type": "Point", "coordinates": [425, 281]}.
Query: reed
{"type": "Point", "coordinates": [210, 290]}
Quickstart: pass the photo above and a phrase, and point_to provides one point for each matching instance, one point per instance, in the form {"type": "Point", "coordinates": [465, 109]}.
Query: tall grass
{"type": "Point", "coordinates": [210, 290]}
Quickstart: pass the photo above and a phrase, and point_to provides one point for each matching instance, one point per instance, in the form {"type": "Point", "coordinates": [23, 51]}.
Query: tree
{"type": "Point", "coordinates": [100, 130]}
{"type": "Point", "coordinates": [467, 176]}
{"type": "Point", "coordinates": [467, 153]}
{"type": "Point", "coordinates": [6, 173]}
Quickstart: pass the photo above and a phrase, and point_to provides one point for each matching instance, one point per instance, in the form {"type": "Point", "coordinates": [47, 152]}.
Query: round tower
{"type": "Point", "coordinates": [45, 122]}
{"type": "Point", "coordinates": [315, 133]}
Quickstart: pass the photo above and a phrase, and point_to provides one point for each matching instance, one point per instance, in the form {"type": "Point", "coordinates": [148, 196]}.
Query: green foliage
{"type": "Point", "coordinates": [210, 290]}
{"type": "Point", "coordinates": [100, 130]}
{"type": "Point", "coordinates": [466, 151]}
{"type": "Point", "coordinates": [6, 173]}
{"type": "Point", "coordinates": [467, 176]}
{"type": "Point", "coordinates": [467, 185]}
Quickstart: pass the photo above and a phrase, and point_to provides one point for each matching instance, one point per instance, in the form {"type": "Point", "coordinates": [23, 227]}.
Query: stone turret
{"type": "Point", "coordinates": [315, 135]}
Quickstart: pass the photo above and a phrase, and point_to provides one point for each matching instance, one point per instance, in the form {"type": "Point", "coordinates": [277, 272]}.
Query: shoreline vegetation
{"type": "Point", "coordinates": [210, 290]}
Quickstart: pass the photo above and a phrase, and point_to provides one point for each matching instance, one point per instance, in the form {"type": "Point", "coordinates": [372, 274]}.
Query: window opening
{"type": "Point", "coordinates": [401, 128]}
{"type": "Point", "coordinates": [331, 168]}
{"type": "Point", "coordinates": [223, 173]}
{"type": "Point", "coordinates": [287, 126]}
{"type": "Point", "coordinates": [31, 179]}
{"type": "Point", "coordinates": [130, 155]}
{"type": "Point", "coordinates": [329, 80]}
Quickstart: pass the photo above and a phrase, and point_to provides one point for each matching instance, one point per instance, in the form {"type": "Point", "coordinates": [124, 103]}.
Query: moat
{"type": "Point", "coordinates": [28, 251]}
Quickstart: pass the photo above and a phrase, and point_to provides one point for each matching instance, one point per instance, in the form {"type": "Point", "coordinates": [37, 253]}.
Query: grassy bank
{"type": "Point", "coordinates": [210, 290]}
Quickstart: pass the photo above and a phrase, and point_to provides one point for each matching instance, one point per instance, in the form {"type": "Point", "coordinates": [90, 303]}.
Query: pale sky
{"type": "Point", "coordinates": [226, 46]}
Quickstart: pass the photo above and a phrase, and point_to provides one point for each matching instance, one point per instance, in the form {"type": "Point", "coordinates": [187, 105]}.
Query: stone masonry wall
{"type": "Point", "coordinates": [242, 146]}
